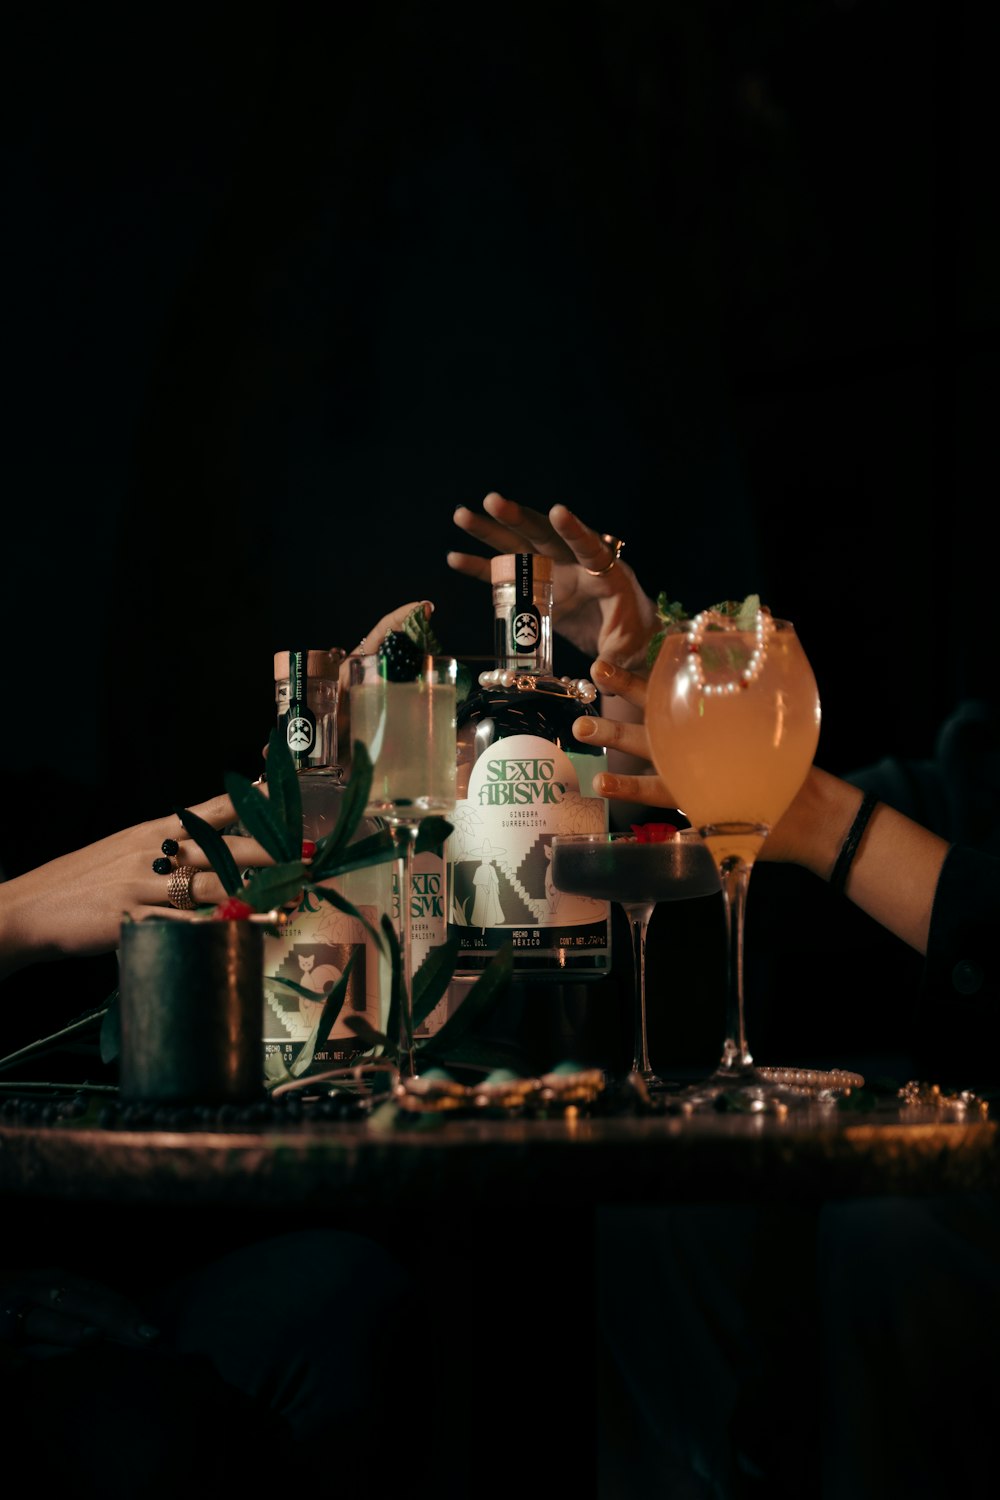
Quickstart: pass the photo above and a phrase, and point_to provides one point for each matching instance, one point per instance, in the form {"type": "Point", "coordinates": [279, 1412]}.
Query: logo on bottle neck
{"type": "Point", "coordinates": [299, 721]}
{"type": "Point", "coordinates": [525, 620]}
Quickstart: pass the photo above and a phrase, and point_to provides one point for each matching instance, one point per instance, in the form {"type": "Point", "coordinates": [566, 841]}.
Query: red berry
{"type": "Point", "coordinates": [308, 848]}
{"type": "Point", "coordinates": [653, 833]}
{"type": "Point", "coordinates": [232, 910]}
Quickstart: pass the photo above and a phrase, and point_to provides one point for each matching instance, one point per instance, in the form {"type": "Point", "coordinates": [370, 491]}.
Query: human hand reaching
{"type": "Point", "coordinates": [74, 905]}
{"type": "Point", "coordinates": [598, 603]}
{"type": "Point", "coordinates": [796, 838]}
{"type": "Point", "coordinates": [632, 777]}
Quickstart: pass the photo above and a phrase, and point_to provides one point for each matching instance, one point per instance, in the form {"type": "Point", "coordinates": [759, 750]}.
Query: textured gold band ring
{"type": "Point", "coordinates": [614, 545]}
{"type": "Point", "coordinates": [179, 888]}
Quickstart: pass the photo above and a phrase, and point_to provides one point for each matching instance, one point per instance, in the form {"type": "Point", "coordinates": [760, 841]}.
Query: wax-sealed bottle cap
{"type": "Point", "coordinates": [318, 663]}
{"type": "Point", "coordinates": [504, 566]}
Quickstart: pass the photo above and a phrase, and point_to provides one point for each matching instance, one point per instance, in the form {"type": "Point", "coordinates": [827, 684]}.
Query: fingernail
{"type": "Point", "coordinates": [602, 669]}
{"type": "Point", "coordinates": [605, 785]}
{"type": "Point", "coordinates": [584, 729]}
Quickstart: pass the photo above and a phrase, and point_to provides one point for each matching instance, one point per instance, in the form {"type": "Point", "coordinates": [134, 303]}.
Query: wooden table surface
{"type": "Point", "coordinates": [816, 1153]}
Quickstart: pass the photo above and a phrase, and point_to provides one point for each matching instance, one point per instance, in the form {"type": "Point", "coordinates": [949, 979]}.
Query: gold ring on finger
{"type": "Point", "coordinates": [179, 888]}
{"type": "Point", "coordinates": [614, 545]}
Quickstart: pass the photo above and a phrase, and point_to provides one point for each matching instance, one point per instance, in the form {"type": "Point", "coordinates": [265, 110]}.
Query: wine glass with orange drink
{"type": "Point", "coordinates": [733, 717]}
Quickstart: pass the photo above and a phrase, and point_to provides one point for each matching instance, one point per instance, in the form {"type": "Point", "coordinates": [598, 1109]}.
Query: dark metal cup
{"type": "Point", "coordinates": [191, 1009]}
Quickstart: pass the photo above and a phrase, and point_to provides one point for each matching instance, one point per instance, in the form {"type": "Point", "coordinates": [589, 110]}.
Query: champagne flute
{"type": "Point", "coordinates": [656, 862]}
{"type": "Point", "coordinates": [408, 728]}
{"type": "Point", "coordinates": [733, 717]}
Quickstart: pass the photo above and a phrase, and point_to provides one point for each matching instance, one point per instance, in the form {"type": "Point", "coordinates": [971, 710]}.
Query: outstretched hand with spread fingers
{"type": "Point", "coordinates": [598, 603]}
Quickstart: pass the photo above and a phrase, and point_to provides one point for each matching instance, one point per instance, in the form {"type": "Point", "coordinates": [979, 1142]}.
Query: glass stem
{"type": "Point", "coordinates": [638, 921]}
{"type": "Point", "coordinates": [405, 836]}
{"type": "Point", "coordinates": [735, 873]}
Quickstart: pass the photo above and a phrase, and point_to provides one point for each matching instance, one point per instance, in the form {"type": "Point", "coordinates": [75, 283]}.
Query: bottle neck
{"type": "Point", "coordinates": [307, 715]}
{"type": "Point", "coordinates": [522, 628]}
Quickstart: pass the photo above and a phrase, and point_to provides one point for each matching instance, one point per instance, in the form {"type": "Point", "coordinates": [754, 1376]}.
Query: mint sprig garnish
{"type": "Point", "coordinates": [672, 613]}
{"type": "Point", "coordinates": [418, 628]}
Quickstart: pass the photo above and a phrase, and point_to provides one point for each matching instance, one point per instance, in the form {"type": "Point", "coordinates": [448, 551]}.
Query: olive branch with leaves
{"type": "Point", "coordinates": [274, 819]}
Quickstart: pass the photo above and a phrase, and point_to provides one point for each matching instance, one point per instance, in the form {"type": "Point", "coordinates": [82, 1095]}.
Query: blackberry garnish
{"type": "Point", "coordinates": [401, 657]}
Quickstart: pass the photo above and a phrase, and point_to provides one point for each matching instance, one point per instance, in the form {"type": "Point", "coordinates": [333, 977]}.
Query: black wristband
{"type": "Point", "coordinates": [849, 847]}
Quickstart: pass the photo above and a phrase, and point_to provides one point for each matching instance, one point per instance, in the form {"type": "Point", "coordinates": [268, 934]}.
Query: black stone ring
{"type": "Point", "coordinates": [12, 1319]}
{"type": "Point", "coordinates": [163, 866]}
{"type": "Point", "coordinates": [170, 846]}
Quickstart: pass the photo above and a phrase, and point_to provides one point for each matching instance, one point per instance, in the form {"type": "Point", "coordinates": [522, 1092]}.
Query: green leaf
{"type": "Point", "coordinates": [215, 849]}
{"type": "Point", "coordinates": [111, 1030]}
{"type": "Point", "coordinates": [385, 1117]}
{"type": "Point", "coordinates": [333, 898]}
{"type": "Point", "coordinates": [746, 614]}
{"type": "Point", "coordinates": [418, 627]}
{"type": "Point", "coordinates": [260, 820]}
{"type": "Point", "coordinates": [480, 1000]}
{"type": "Point", "coordinates": [392, 1023]}
{"type": "Point", "coordinates": [274, 885]}
{"type": "Point", "coordinates": [432, 832]}
{"type": "Point", "coordinates": [352, 810]}
{"type": "Point", "coordinates": [334, 1004]}
{"type": "Point", "coordinates": [365, 1031]}
{"type": "Point", "coordinates": [463, 683]}
{"type": "Point", "coordinates": [294, 985]}
{"type": "Point", "coordinates": [275, 1071]}
{"type": "Point", "coordinates": [320, 1034]}
{"type": "Point", "coordinates": [432, 978]}
{"type": "Point", "coordinates": [376, 849]}
{"type": "Point", "coordinates": [90, 1021]}
{"type": "Point", "coordinates": [284, 790]}
{"type": "Point", "coordinates": [670, 613]}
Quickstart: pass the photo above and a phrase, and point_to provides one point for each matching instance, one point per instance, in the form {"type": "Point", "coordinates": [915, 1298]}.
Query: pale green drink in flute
{"type": "Point", "coordinates": [410, 735]}
{"type": "Point", "coordinates": [407, 725]}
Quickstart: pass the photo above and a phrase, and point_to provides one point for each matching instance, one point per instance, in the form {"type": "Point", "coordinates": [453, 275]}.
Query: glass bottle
{"type": "Point", "coordinates": [429, 923]}
{"type": "Point", "coordinates": [522, 778]}
{"type": "Point", "coordinates": [315, 944]}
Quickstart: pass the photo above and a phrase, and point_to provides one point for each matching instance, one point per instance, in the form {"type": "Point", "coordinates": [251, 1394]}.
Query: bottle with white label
{"type": "Point", "coordinates": [317, 941]}
{"type": "Point", "coordinates": [428, 923]}
{"type": "Point", "coordinates": [522, 778]}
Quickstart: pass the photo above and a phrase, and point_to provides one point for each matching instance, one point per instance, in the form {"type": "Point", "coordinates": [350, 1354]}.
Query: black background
{"type": "Point", "coordinates": [284, 284]}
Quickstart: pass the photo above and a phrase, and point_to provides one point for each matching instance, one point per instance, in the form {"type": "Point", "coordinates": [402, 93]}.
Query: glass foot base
{"type": "Point", "coordinates": [651, 1082]}
{"type": "Point", "coordinates": [765, 1090]}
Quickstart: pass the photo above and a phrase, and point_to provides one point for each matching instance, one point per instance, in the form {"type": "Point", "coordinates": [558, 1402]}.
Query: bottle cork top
{"type": "Point", "coordinates": [318, 663]}
{"type": "Point", "coordinates": [504, 566]}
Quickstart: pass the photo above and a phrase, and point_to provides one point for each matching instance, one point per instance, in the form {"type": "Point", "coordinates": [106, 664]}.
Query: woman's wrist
{"type": "Point", "coordinates": [18, 944]}
{"type": "Point", "coordinates": [812, 832]}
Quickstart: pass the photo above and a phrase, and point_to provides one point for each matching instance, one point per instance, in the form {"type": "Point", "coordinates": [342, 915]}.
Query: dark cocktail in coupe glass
{"type": "Point", "coordinates": [656, 862]}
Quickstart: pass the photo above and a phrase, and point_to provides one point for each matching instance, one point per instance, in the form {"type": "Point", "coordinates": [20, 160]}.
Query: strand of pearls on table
{"type": "Point", "coordinates": [763, 630]}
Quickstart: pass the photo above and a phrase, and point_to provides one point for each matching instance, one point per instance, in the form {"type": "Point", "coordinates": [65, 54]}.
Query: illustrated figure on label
{"type": "Point", "coordinates": [552, 893]}
{"type": "Point", "coordinates": [322, 980]}
{"type": "Point", "coordinates": [486, 910]}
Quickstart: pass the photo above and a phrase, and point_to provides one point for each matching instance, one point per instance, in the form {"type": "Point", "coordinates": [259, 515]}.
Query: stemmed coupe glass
{"type": "Point", "coordinates": [408, 728]}
{"type": "Point", "coordinates": [655, 862]}
{"type": "Point", "coordinates": [733, 717]}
